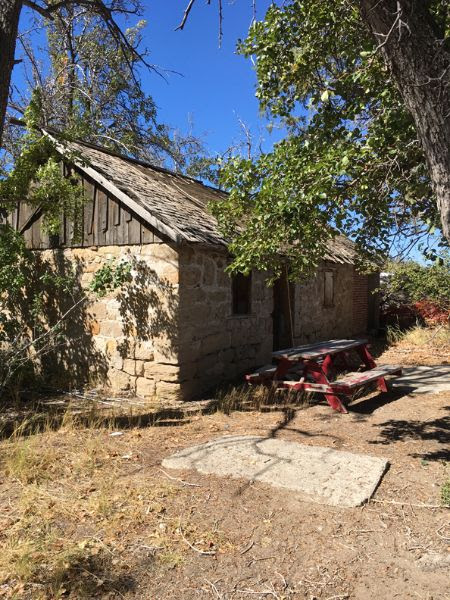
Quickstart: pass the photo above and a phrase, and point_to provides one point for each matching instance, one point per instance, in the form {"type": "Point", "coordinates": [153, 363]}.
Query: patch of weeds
{"type": "Point", "coordinates": [170, 559]}
{"type": "Point", "coordinates": [394, 334]}
{"type": "Point", "coordinates": [40, 554]}
{"type": "Point", "coordinates": [445, 493]}
{"type": "Point", "coordinates": [419, 335]}
{"type": "Point", "coordinates": [30, 461]}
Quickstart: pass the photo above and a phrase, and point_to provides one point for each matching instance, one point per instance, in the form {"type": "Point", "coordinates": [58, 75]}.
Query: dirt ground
{"type": "Point", "coordinates": [85, 513]}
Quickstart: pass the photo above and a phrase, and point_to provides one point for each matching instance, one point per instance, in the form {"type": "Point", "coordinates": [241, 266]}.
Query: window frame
{"type": "Point", "coordinates": [328, 300]}
{"type": "Point", "coordinates": [237, 291]}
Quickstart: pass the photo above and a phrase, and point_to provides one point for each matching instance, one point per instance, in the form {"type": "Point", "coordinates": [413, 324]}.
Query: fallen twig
{"type": "Point", "coordinates": [180, 480]}
{"type": "Point", "coordinates": [420, 505]}
{"type": "Point", "coordinates": [152, 549]}
{"type": "Point", "coordinates": [444, 537]}
{"type": "Point", "coordinates": [254, 593]}
{"type": "Point", "coordinates": [214, 589]}
{"type": "Point", "coordinates": [258, 559]}
{"type": "Point", "coordinates": [247, 548]}
{"type": "Point", "coordinates": [202, 552]}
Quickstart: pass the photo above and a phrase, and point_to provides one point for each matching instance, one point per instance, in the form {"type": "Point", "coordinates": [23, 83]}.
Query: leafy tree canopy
{"type": "Point", "coordinates": [350, 162]}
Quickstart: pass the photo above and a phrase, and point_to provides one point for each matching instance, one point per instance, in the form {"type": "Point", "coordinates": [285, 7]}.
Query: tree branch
{"type": "Point", "coordinates": [42, 10]}
{"type": "Point", "coordinates": [186, 15]}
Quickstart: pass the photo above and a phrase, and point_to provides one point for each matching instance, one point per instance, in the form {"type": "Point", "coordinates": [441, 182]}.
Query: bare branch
{"type": "Point", "coordinates": [220, 22]}
{"type": "Point", "coordinates": [186, 15]}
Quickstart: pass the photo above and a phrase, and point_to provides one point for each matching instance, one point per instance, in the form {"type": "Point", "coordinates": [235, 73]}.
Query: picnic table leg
{"type": "Point", "coordinates": [283, 367]}
{"type": "Point", "coordinates": [382, 385]}
{"type": "Point", "coordinates": [320, 377]}
{"type": "Point", "coordinates": [327, 365]}
{"type": "Point", "coordinates": [366, 357]}
{"type": "Point", "coordinates": [368, 360]}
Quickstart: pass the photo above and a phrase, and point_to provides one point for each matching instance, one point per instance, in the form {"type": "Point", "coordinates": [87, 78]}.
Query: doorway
{"type": "Point", "coordinates": [283, 313]}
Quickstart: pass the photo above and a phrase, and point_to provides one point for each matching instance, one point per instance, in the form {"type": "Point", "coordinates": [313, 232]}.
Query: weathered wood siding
{"type": "Point", "coordinates": [105, 222]}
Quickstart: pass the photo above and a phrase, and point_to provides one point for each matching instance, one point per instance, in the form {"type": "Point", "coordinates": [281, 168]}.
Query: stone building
{"type": "Point", "coordinates": [182, 325]}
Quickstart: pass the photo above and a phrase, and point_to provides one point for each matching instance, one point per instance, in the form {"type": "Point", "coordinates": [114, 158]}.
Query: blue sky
{"type": "Point", "coordinates": [207, 86]}
{"type": "Point", "coordinates": [204, 88]}
{"type": "Point", "coordinates": [216, 86]}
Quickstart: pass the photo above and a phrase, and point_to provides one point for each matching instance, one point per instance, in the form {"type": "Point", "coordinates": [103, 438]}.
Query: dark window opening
{"type": "Point", "coordinates": [328, 280]}
{"type": "Point", "coordinates": [241, 288]}
{"type": "Point", "coordinates": [54, 240]}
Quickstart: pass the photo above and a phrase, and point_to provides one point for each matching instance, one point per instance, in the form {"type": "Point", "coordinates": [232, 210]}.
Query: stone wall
{"type": "Point", "coordinates": [215, 345]}
{"type": "Point", "coordinates": [171, 332]}
{"type": "Point", "coordinates": [313, 321]}
{"type": "Point", "coordinates": [127, 340]}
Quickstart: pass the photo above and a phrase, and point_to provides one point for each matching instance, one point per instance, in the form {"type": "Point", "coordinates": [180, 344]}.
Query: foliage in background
{"type": "Point", "coordinates": [350, 163]}
{"type": "Point", "coordinates": [414, 292]}
{"type": "Point", "coordinates": [410, 282]}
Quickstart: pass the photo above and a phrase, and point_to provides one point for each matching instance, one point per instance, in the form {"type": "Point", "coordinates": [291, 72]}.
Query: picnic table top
{"type": "Point", "coordinates": [318, 349]}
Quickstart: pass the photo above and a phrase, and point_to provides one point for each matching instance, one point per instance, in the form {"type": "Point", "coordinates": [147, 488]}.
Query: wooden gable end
{"type": "Point", "coordinates": [106, 221]}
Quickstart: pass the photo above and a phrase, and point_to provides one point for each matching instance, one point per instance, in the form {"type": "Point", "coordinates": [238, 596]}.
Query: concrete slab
{"type": "Point", "coordinates": [424, 380]}
{"type": "Point", "coordinates": [317, 474]}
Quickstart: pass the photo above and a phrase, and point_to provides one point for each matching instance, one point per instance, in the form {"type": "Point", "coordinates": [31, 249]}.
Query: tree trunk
{"type": "Point", "coordinates": [414, 50]}
{"type": "Point", "coordinates": [9, 22]}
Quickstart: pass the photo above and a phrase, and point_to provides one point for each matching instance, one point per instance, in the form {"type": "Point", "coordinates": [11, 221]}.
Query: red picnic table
{"type": "Point", "coordinates": [311, 367]}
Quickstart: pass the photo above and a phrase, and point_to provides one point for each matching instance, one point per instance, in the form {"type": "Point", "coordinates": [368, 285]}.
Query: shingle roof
{"type": "Point", "coordinates": [177, 201]}
{"type": "Point", "coordinates": [178, 204]}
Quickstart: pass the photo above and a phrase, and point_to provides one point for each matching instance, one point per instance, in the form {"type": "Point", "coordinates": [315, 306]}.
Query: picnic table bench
{"type": "Point", "coordinates": [311, 368]}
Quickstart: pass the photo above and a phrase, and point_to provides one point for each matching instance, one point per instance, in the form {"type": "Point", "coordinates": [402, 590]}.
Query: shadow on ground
{"type": "Point", "coordinates": [51, 413]}
{"type": "Point", "coordinates": [437, 430]}
{"type": "Point", "coordinates": [367, 406]}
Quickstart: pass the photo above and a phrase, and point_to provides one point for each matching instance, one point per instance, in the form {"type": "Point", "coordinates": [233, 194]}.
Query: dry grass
{"type": "Point", "coordinates": [71, 509]}
{"type": "Point", "coordinates": [260, 398]}
{"type": "Point", "coordinates": [420, 336]}
{"type": "Point", "coordinates": [445, 493]}
{"type": "Point", "coordinates": [418, 345]}
{"type": "Point", "coordinates": [78, 499]}
{"type": "Point", "coordinates": [79, 508]}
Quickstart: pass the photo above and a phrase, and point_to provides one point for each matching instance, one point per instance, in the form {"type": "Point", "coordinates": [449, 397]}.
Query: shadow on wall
{"type": "Point", "coordinates": [147, 307]}
{"type": "Point", "coordinates": [54, 298]}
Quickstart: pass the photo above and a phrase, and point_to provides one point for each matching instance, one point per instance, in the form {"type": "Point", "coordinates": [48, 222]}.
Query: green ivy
{"type": "Point", "coordinates": [111, 276]}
